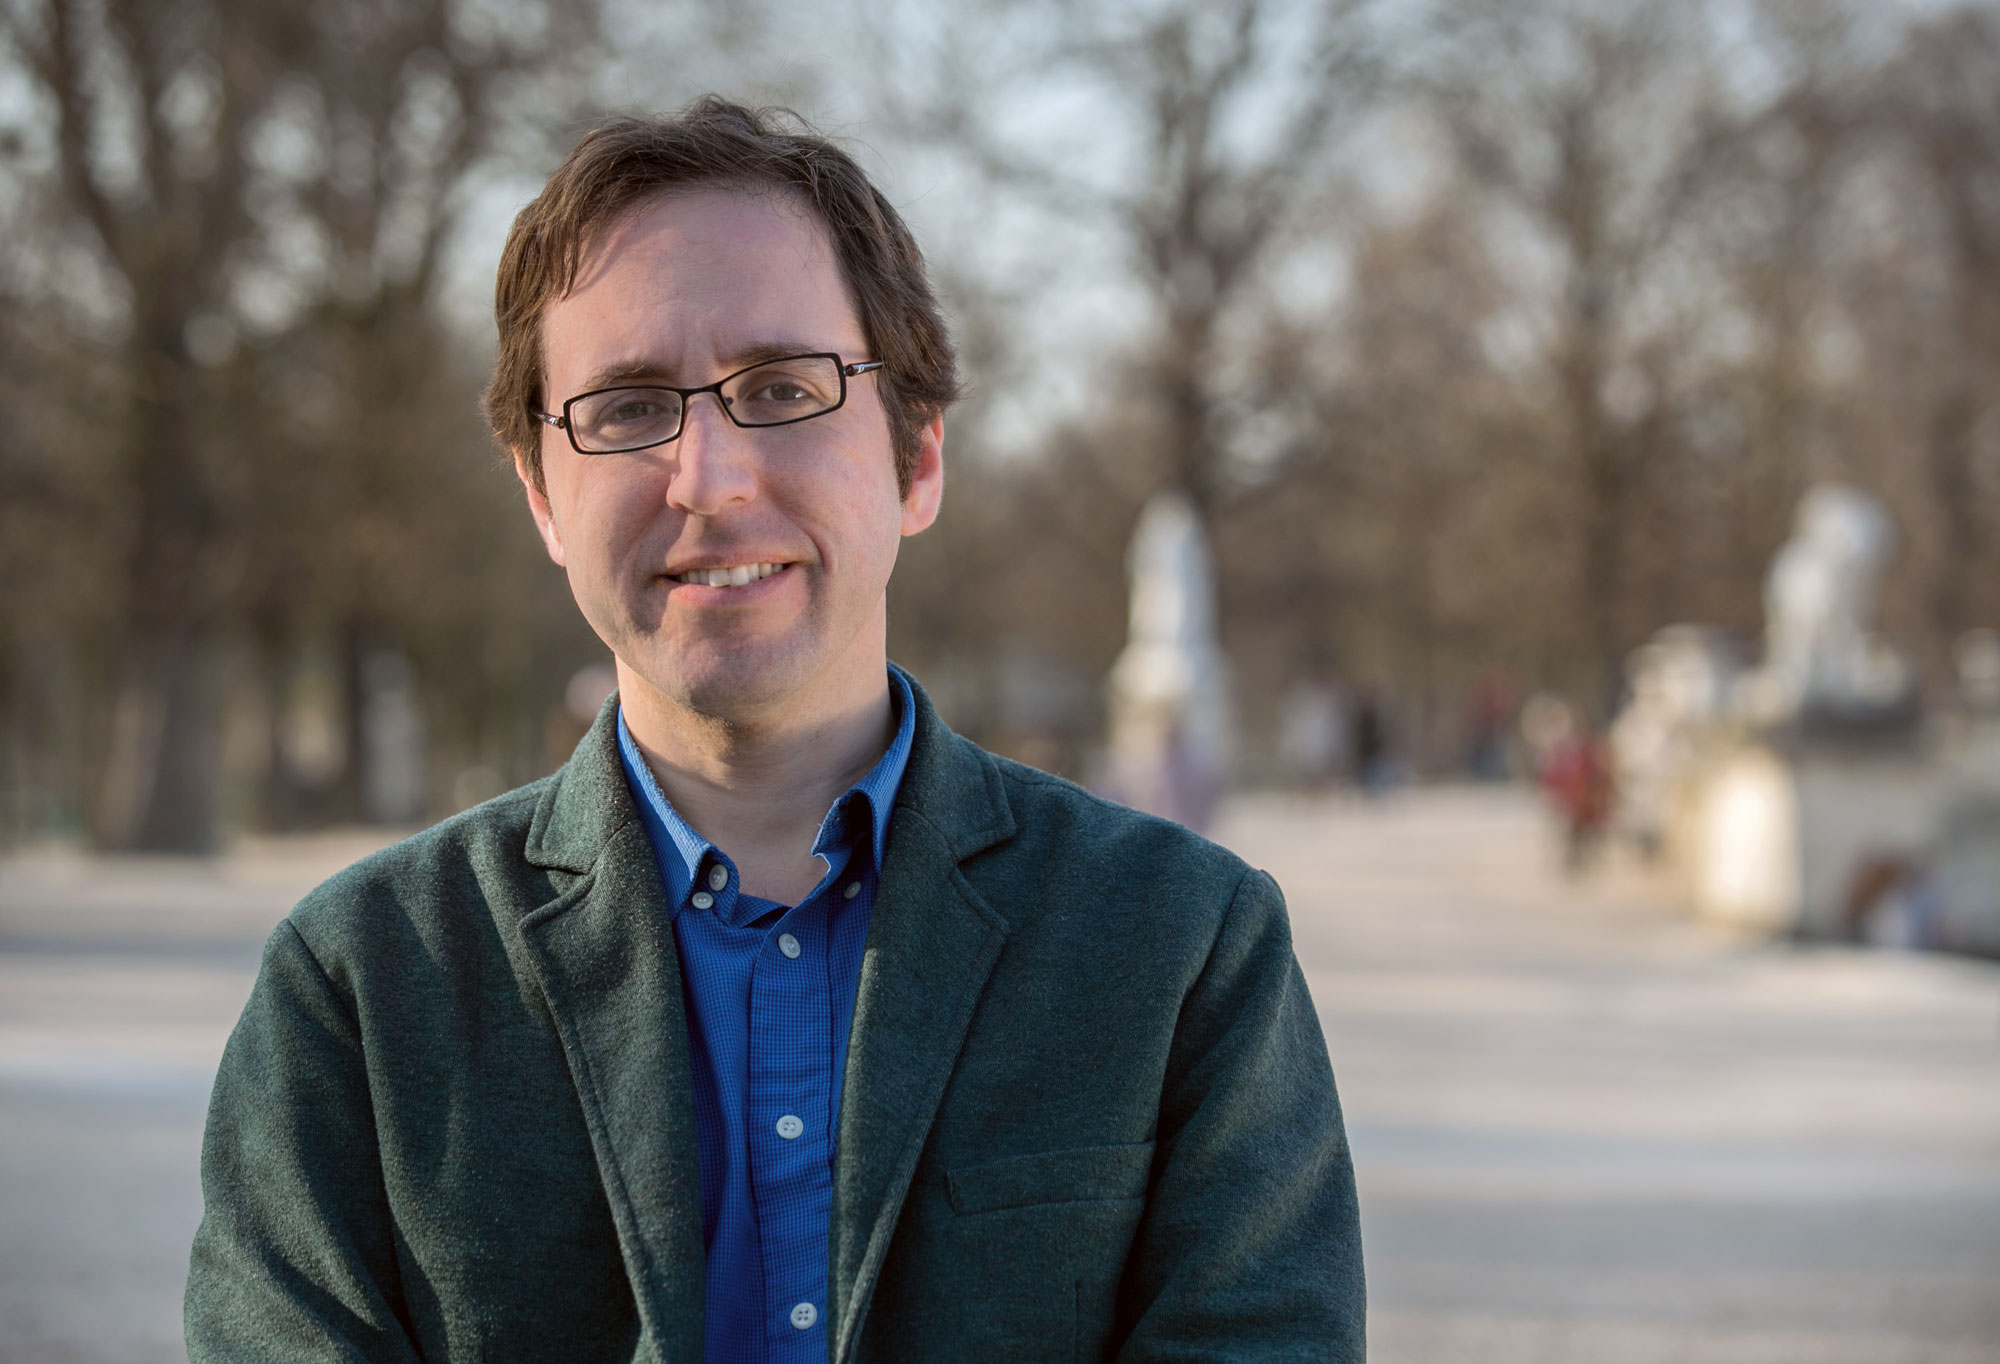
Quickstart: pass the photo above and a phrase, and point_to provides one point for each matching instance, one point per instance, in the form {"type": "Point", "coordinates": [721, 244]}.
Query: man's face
{"type": "Point", "coordinates": [689, 288]}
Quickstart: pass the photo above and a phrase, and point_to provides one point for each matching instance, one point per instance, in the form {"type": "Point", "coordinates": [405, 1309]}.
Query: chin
{"type": "Point", "coordinates": [726, 684]}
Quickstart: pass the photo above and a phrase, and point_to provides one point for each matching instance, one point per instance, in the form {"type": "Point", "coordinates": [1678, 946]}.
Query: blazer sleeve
{"type": "Point", "coordinates": [295, 1259]}
{"type": "Point", "coordinates": [1251, 1244]}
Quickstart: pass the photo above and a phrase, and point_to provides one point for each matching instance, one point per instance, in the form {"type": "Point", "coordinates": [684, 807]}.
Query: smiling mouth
{"type": "Point", "coordinates": [737, 575]}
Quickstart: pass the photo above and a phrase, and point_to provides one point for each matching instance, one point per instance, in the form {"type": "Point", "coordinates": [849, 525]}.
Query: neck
{"type": "Point", "coordinates": [759, 790]}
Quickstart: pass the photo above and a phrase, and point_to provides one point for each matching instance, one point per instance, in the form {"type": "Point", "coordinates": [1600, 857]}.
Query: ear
{"type": "Point", "coordinates": [538, 507]}
{"type": "Point", "coordinates": [920, 504]}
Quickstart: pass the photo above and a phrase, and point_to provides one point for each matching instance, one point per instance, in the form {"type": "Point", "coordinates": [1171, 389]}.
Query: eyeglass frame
{"type": "Point", "coordinates": [845, 370]}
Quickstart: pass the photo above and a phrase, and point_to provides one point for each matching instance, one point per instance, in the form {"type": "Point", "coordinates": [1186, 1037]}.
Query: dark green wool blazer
{"type": "Point", "coordinates": [1088, 1113]}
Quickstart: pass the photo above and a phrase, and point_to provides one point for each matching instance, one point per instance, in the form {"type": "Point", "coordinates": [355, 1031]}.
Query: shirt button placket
{"type": "Point", "coordinates": [790, 1170]}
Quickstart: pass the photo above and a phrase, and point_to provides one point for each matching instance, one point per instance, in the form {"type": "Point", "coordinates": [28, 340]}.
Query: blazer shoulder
{"type": "Point", "coordinates": [428, 878]}
{"type": "Point", "coordinates": [1059, 823]}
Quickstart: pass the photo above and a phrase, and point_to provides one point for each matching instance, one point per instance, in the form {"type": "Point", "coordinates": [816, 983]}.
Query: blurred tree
{"type": "Point", "coordinates": [1940, 97]}
{"type": "Point", "coordinates": [222, 179]}
{"type": "Point", "coordinates": [1594, 127]}
{"type": "Point", "coordinates": [1402, 540]}
{"type": "Point", "coordinates": [1209, 129]}
{"type": "Point", "coordinates": [1188, 148]}
{"type": "Point", "coordinates": [1753, 420]}
{"type": "Point", "coordinates": [1488, 335]}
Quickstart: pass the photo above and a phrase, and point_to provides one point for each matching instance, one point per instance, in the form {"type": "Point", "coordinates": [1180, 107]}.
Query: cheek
{"type": "Point", "coordinates": [601, 523]}
{"type": "Point", "coordinates": [632, 489]}
{"type": "Point", "coordinates": [870, 527]}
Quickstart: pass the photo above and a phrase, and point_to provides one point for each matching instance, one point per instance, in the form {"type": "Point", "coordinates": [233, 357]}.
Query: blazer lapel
{"type": "Point", "coordinates": [932, 942]}
{"type": "Point", "coordinates": [603, 954]}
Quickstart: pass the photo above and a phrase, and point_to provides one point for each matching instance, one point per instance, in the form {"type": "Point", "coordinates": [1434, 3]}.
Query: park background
{"type": "Point", "coordinates": [1485, 338]}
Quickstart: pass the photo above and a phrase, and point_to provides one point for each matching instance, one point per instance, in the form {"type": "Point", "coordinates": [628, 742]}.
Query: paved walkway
{"type": "Point", "coordinates": [1588, 1131]}
{"type": "Point", "coordinates": [119, 983]}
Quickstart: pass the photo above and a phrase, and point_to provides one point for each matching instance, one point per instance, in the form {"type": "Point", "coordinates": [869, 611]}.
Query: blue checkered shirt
{"type": "Point", "coordinates": [770, 995]}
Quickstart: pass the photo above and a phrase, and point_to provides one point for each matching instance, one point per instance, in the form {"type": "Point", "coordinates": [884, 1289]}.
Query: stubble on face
{"type": "Point", "coordinates": [685, 285]}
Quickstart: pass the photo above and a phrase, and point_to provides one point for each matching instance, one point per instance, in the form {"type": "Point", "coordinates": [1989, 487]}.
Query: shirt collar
{"type": "Point", "coordinates": [681, 850]}
{"type": "Point", "coordinates": [880, 785]}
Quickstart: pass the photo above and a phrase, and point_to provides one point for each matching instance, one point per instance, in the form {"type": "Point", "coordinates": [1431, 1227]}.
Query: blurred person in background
{"type": "Point", "coordinates": [1487, 712]}
{"type": "Point", "coordinates": [1312, 733]}
{"type": "Point", "coordinates": [1373, 755]}
{"type": "Point", "coordinates": [781, 1023]}
{"type": "Point", "coordinates": [1574, 768]}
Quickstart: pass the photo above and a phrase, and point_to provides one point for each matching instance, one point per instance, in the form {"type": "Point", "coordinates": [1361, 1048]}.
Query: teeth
{"type": "Point", "coordinates": [740, 575]}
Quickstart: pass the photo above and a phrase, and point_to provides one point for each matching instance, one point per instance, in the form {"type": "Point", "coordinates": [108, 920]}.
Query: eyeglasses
{"type": "Point", "coordinates": [796, 388]}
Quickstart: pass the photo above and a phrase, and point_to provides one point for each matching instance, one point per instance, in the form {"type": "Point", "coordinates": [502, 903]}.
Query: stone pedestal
{"type": "Point", "coordinates": [1966, 868]}
{"type": "Point", "coordinates": [1821, 801]}
{"type": "Point", "coordinates": [1783, 838]}
{"type": "Point", "coordinates": [1965, 858]}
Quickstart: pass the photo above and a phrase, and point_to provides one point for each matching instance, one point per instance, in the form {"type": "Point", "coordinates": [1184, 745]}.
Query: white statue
{"type": "Point", "coordinates": [1680, 684]}
{"type": "Point", "coordinates": [1818, 600]}
{"type": "Point", "coordinates": [1169, 712]}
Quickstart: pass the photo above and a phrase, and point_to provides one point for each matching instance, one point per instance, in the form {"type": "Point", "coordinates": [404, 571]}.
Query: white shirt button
{"type": "Point", "coordinates": [788, 945]}
{"type": "Point", "coordinates": [718, 877]}
{"type": "Point", "coordinates": [853, 889]}
{"type": "Point", "coordinates": [703, 900]}
{"type": "Point", "coordinates": [791, 1127]}
{"type": "Point", "coordinates": [804, 1315]}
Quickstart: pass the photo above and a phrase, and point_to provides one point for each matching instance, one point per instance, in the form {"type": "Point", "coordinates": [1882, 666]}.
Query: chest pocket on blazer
{"type": "Point", "coordinates": [1085, 1174]}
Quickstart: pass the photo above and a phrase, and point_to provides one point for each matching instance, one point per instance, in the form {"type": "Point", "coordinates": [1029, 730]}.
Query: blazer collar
{"type": "Point", "coordinates": [932, 942]}
{"type": "Point", "coordinates": [585, 804]}
{"type": "Point", "coordinates": [603, 952]}
{"type": "Point", "coordinates": [952, 785]}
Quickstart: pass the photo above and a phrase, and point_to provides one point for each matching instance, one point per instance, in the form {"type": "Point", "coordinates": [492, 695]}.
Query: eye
{"type": "Point", "coordinates": [626, 407]}
{"type": "Point", "coordinates": [633, 407]}
{"type": "Point", "coordinates": [625, 418]}
{"type": "Point", "coordinates": [782, 390]}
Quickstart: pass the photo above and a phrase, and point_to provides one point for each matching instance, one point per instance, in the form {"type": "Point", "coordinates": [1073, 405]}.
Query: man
{"type": "Point", "coordinates": [781, 1023]}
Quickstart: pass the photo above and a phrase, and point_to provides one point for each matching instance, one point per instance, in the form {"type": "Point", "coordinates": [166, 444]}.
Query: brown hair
{"type": "Point", "coordinates": [624, 161]}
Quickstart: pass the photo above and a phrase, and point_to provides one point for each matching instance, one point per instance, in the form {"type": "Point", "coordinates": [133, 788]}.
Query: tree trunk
{"type": "Point", "coordinates": [1601, 484]}
{"type": "Point", "coordinates": [160, 784]}
{"type": "Point", "coordinates": [159, 787]}
{"type": "Point", "coordinates": [1957, 504]}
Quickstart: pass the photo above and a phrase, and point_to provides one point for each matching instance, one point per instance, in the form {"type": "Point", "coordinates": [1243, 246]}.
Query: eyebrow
{"type": "Point", "coordinates": [635, 370]}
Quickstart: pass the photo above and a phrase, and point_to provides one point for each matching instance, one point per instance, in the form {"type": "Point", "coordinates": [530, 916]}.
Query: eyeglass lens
{"type": "Point", "coordinates": [770, 394]}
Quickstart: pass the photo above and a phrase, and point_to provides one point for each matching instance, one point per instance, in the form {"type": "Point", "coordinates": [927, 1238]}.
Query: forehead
{"type": "Point", "coordinates": [692, 278]}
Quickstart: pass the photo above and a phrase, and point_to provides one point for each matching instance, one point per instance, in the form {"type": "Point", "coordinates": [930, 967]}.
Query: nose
{"type": "Point", "coordinates": [714, 464]}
